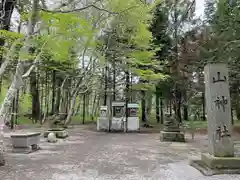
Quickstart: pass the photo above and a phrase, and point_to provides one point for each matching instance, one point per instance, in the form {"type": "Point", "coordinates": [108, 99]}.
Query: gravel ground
{"type": "Point", "coordinates": [88, 155]}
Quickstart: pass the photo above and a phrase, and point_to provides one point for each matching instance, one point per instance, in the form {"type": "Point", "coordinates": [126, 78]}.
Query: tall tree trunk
{"type": "Point", "coordinates": [94, 106]}
{"type": "Point", "coordinates": [53, 91]}
{"type": "Point", "coordinates": [58, 98]}
{"type": "Point", "coordinates": [13, 114]}
{"type": "Point", "coordinates": [143, 106]}
{"type": "Point", "coordinates": [185, 106]}
{"type": "Point", "coordinates": [87, 106]}
{"type": "Point", "coordinates": [17, 106]}
{"type": "Point", "coordinates": [71, 109]}
{"type": "Point", "coordinates": [35, 96]}
{"type": "Point", "coordinates": [41, 101]}
{"type": "Point", "coordinates": [149, 105]}
{"type": "Point", "coordinates": [161, 107]}
{"type": "Point", "coordinates": [203, 107]}
{"type": "Point", "coordinates": [47, 94]}
{"type": "Point", "coordinates": [178, 106]}
{"type": "Point", "coordinates": [127, 100]}
{"type": "Point", "coordinates": [105, 84]}
{"type": "Point", "coordinates": [114, 80]}
{"type": "Point", "coordinates": [157, 104]}
{"type": "Point", "coordinates": [84, 109]}
{"type": "Point", "coordinates": [170, 107]}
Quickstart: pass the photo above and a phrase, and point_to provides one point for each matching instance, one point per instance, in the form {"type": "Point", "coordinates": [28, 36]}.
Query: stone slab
{"type": "Point", "coordinates": [25, 134]}
{"type": "Point", "coordinates": [221, 162]}
{"type": "Point", "coordinates": [59, 134]}
{"type": "Point", "coordinates": [26, 150]}
{"type": "Point", "coordinates": [205, 170]}
{"type": "Point", "coordinates": [172, 136]}
{"type": "Point", "coordinates": [25, 139]}
{"type": "Point", "coordinates": [210, 165]}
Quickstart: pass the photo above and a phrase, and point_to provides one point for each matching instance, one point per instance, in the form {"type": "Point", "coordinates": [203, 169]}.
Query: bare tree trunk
{"type": "Point", "coordinates": [7, 104]}
{"type": "Point", "coordinates": [58, 98]}
{"type": "Point", "coordinates": [161, 108]}
{"type": "Point", "coordinates": [53, 90]}
{"type": "Point", "coordinates": [149, 105]}
{"type": "Point", "coordinates": [84, 109]}
{"type": "Point", "coordinates": [35, 96]}
{"type": "Point", "coordinates": [17, 81]}
{"type": "Point", "coordinates": [157, 104]}
{"type": "Point", "coordinates": [143, 106]}
{"type": "Point", "coordinates": [71, 109]}
{"type": "Point", "coordinates": [127, 100]}
{"type": "Point", "coordinates": [93, 107]}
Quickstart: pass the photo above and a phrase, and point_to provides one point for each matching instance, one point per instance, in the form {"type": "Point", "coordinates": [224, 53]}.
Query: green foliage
{"type": "Point", "coordinates": [25, 103]}
{"type": "Point", "coordinates": [12, 41]}
{"type": "Point", "coordinates": [130, 41]}
{"type": "Point", "coordinates": [222, 41]}
{"type": "Point", "coordinates": [67, 32]}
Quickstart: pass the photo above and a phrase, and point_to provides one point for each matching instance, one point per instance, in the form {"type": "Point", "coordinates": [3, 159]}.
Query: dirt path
{"type": "Point", "coordinates": [88, 155]}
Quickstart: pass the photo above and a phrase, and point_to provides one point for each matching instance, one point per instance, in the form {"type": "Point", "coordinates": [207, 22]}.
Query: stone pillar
{"type": "Point", "coordinates": [218, 108]}
{"type": "Point", "coordinates": [220, 158]}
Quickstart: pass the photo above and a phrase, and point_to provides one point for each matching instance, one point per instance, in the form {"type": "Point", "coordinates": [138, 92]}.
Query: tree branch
{"type": "Point", "coordinates": [79, 9]}
{"type": "Point", "coordinates": [35, 62]}
{"type": "Point", "coordinates": [87, 7]}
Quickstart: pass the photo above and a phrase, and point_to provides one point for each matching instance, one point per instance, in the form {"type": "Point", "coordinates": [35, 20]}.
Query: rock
{"type": "Point", "coordinates": [51, 138]}
{"type": "Point", "coordinates": [59, 132]}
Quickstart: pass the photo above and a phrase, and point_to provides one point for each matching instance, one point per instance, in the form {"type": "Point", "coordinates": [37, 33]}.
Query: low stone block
{"type": "Point", "coordinates": [59, 132]}
{"type": "Point", "coordinates": [221, 162]}
{"type": "Point", "coordinates": [102, 124]}
{"type": "Point", "coordinates": [26, 150]}
{"type": "Point", "coordinates": [210, 165]}
{"type": "Point", "coordinates": [172, 136]}
{"type": "Point", "coordinates": [25, 142]}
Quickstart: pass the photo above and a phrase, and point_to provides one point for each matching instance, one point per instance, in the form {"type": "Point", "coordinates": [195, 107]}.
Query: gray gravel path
{"type": "Point", "coordinates": [88, 155]}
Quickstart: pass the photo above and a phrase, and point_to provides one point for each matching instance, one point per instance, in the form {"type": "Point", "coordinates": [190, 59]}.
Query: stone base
{"type": "Point", "coordinates": [59, 133]}
{"type": "Point", "coordinates": [119, 131]}
{"type": "Point", "coordinates": [210, 165]}
{"type": "Point", "coordinates": [26, 150]}
{"type": "Point", "coordinates": [172, 136]}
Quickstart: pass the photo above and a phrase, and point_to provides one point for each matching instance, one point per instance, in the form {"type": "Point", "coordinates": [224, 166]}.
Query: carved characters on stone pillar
{"type": "Point", "coordinates": [221, 103]}
{"type": "Point", "coordinates": [218, 133]}
{"type": "Point", "coordinates": [225, 132]}
{"type": "Point", "coordinates": [219, 79]}
{"type": "Point", "coordinates": [222, 132]}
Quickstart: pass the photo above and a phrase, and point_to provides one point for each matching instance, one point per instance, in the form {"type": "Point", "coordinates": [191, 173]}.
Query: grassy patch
{"type": "Point", "coordinates": [196, 124]}
{"type": "Point", "coordinates": [78, 119]}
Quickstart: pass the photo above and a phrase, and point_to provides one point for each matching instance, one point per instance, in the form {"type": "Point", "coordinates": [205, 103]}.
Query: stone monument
{"type": "Point", "coordinates": [133, 119]}
{"type": "Point", "coordinates": [102, 121]}
{"type": "Point", "coordinates": [220, 158]}
{"type": "Point", "coordinates": [171, 130]}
